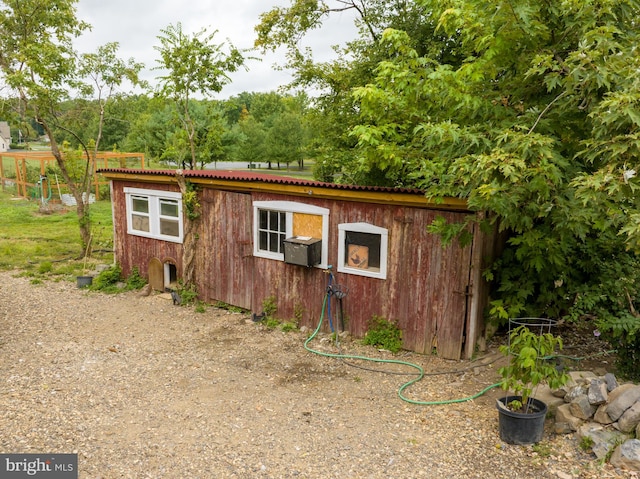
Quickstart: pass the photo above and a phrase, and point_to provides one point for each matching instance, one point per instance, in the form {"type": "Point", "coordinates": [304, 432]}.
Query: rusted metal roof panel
{"type": "Point", "coordinates": [247, 181]}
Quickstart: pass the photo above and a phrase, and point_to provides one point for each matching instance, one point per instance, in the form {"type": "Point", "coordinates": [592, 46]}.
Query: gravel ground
{"type": "Point", "coordinates": [140, 388]}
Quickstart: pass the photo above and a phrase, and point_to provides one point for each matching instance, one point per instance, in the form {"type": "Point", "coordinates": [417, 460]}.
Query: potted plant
{"type": "Point", "coordinates": [85, 280]}
{"type": "Point", "coordinates": [521, 417]}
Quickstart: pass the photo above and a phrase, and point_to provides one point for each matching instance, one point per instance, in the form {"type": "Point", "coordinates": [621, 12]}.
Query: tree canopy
{"type": "Point", "coordinates": [529, 110]}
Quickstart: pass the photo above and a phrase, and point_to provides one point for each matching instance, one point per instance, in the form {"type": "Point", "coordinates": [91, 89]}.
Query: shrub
{"type": "Point", "coordinates": [384, 334]}
{"type": "Point", "coordinates": [107, 281]}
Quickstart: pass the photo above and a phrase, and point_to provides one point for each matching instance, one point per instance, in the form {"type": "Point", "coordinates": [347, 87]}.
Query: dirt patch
{"type": "Point", "coordinates": [141, 388]}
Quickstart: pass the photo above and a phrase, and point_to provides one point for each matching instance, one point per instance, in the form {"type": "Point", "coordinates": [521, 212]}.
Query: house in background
{"type": "Point", "coordinates": [5, 136]}
{"type": "Point", "coordinates": [262, 236]}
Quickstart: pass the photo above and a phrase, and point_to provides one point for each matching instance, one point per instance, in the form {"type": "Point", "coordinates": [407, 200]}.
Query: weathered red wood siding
{"type": "Point", "coordinates": [224, 268]}
{"type": "Point", "coordinates": [425, 290]}
{"type": "Point", "coordinates": [136, 251]}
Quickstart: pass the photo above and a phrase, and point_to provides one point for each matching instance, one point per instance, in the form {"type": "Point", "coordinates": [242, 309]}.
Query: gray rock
{"type": "Point", "coordinates": [622, 401]}
{"type": "Point", "coordinates": [565, 421]}
{"type": "Point", "coordinates": [575, 392]}
{"type": "Point", "coordinates": [603, 440]}
{"type": "Point", "coordinates": [597, 392]}
{"type": "Point", "coordinates": [581, 408]}
{"type": "Point", "coordinates": [601, 415]}
{"type": "Point", "coordinates": [580, 376]}
{"type": "Point", "coordinates": [545, 394]}
{"type": "Point", "coordinates": [627, 455]}
{"type": "Point", "coordinates": [611, 381]}
{"type": "Point", "coordinates": [563, 390]}
{"type": "Point", "coordinates": [630, 419]}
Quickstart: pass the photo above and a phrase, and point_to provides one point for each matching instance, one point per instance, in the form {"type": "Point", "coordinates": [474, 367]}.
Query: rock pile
{"type": "Point", "coordinates": [605, 415]}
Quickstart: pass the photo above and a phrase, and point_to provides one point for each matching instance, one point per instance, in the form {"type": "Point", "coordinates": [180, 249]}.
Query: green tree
{"type": "Point", "coordinates": [249, 143]}
{"type": "Point", "coordinates": [284, 140]}
{"type": "Point", "coordinates": [40, 65]}
{"type": "Point", "coordinates": [538, 126]}
{"type": "Point", "coordinates": [529, 110]}
{"type": "Point", "coordinates": [334, 111]}
{"type": "Point", "coordinates": [193, 64]}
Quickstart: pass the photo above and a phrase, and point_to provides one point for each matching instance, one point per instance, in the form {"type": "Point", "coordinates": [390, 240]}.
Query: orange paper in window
{"type": "Point", "coordinates": [357, 256]}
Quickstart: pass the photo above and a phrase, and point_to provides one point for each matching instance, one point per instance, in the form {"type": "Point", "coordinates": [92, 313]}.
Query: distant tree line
{"type": "Point", "coordinates": [266, 128]}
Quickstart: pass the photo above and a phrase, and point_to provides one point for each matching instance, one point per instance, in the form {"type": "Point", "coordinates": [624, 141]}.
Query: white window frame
{"type": "Point", "coordinates": [154, 197]}
{"type": "Point", "coordinates": [363, 228]}
{"type": "Point", "coordinates": [289, 208]}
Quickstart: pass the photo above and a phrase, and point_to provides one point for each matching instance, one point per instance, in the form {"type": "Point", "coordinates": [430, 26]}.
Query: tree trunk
{"type": "Point", "coordinates": [190, 240]}
{"type": "Point", "coordinates": [82, 200]}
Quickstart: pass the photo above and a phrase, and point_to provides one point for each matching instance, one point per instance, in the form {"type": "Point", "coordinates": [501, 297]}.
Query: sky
{"type": "Point", "coordinates": [136, 24]}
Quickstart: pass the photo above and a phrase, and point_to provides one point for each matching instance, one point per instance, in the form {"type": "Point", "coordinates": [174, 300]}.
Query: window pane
{"type": "Point", "coordinates": [140, 223]}
{"type": "Point", "coordinates": [273, 220]}
{"type": "Point", "coordinates": [169, 227]}
{"type": "Point", "coordinates": [273, 242]}
{"type": "Point", "coordinates": [264, 219]}
{"type": "Point", "coordinates": [169, 208]}
{"type": "Point", "coordinates": [283, 222]}
{"type": "Point", "coordinates": [362, 250]}
{"type": "Point", "coordinates": [140, 204]}
{"type": "Point", "coordinates": [264, 245]}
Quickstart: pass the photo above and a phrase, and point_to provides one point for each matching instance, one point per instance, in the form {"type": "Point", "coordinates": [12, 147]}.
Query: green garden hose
{"type": "Point", "coordinates": [420, 372]}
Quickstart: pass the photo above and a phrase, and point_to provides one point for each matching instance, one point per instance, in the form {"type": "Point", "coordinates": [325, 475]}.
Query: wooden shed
{"type": "Point", "coordinates": [261, 236]}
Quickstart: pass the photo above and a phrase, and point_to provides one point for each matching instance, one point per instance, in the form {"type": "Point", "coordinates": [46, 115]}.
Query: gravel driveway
{"type": "Point", "coordinates": [140, 388]}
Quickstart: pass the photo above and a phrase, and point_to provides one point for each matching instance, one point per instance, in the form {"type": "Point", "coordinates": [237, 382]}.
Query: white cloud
{"type": "Point", "coordinates": [136, 24]}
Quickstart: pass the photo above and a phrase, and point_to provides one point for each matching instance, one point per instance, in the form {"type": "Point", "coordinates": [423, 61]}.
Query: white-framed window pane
{"type": "Point", "coordinates": [169, 227]}
{"type": "Point", "coordinates": [154, 214]}
{"type": "Point", "coordinates": [169, 208]}
{"type": "Point", "coordinates": [140, 222]}
{"type": "Point", "coordinates": [362, 250]}
{"type": "Point", "coordinates": [272, 230]}
{"type": "Point", "coordinates": [140, 204]}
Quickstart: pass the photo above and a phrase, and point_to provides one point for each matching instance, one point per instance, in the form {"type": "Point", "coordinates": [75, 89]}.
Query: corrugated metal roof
{"type": "Point", "coordinates": [250, 176]}
{"type": "Point", "coordinates": [242, 180]}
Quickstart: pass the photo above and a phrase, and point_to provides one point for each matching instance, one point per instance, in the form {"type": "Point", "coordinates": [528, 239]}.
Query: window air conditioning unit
{"type": "Point", "coordinates": [303, 251]}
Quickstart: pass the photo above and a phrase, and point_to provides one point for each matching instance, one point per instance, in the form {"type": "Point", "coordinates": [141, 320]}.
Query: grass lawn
{"type": "Point", "coordinates": [49, 243]}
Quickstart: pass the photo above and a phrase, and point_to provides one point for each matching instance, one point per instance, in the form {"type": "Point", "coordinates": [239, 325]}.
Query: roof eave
{"type": "Point", "coordinates": [308, 191]}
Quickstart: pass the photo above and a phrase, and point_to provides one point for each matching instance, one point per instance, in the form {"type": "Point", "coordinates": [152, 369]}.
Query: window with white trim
{"type": "Point", "coordinates": [154, 214]}
{"type": "Point", "coordinates": [362, 249]}
{"type": "Point", "coordinates": [274, 221]}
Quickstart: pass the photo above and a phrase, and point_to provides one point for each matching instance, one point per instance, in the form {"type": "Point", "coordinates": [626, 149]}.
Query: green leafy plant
{"type": "Point", "coordinates": [134, 280]}
{"type": "Point", "coordinates": [229, 307]}
{"type": "Point", "coordinates": [529, 363]}
{"type": "Point", "coordinates": [201, 307]}
{"type": "Point", "coordinates": [586, 443]}
{"type": "Point", "coordinates": [269, 306]}
{"type": "Point", "coordinates": [107, 280]}
{"type": "Point", "coordinates": [383, 333]}
{"type": "Point", "coordinates": [111, 281]}
{"type": "Point", "coordinates": [543, 449]}
{"type": "Point", "coordinates": [288, 326]}
{"type": "Point", "coordinates": [188, 294]}
{"type": "Point", "coordinates": [45, 267]}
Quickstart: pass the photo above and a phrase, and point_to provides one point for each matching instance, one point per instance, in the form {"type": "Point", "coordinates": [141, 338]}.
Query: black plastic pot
{"type": "Point", "coordinates": [519, 427]}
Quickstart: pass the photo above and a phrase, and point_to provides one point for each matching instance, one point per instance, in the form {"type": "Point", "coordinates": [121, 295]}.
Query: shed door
{"type": "Point", "coordinates": [229, 262]}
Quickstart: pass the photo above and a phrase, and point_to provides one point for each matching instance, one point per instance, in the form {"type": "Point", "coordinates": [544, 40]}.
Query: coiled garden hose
{"type": "Point", "coordinates": [419, 374]}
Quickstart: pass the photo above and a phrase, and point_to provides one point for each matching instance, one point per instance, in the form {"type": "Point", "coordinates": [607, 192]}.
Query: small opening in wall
{"type": "Point", "coordinates": [170, 276]}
